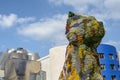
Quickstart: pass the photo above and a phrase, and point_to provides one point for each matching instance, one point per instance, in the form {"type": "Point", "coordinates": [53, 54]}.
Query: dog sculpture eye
{"type": "Point", "coordinates": [77, 24]}
{"type": "Point", "coordinates": [75, 17]}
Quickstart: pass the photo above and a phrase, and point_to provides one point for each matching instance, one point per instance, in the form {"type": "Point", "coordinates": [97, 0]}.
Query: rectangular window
{"type": "Point", "coordinates": [111, 56]}
{"type": "Point", "coordinates": [117, 57]}
{"type": "Point", "coordinates": [104, 77]}
{"type": "Point", "coordinates": [113, 77]}
{"type": "Point", "coordinates": [102, 66]}
{"type": "Point", "coordinates": [112, 66]}
{"type": "Point", "coordinates": [101, 55]}
{"type": "Point", "coordinates": [1, 78]}
{"type": "Point", "coordinates": [42, 76]}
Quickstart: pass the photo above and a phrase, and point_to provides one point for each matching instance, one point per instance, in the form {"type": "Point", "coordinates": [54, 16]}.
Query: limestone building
{"type": "Point", "coordinates": [53, 63]}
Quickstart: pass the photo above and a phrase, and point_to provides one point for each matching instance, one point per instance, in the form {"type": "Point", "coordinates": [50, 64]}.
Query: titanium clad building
{"type": "Point", "coordinates": [109, 62]}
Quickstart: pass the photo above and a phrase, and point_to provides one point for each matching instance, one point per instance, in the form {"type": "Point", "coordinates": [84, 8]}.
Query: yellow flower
{"type": "Point", "coordinates": [95, 25]}
{"type": "Point", "coordinates": [74, 74]}
{"type": "Point", "coordinates": [70, 49]}
{"type": "Point", "coordinates": [85, 52]}
{"type": "Point", "coordinates": [80, 51]}
{"type": "Point", "coordinates": [68, 64]}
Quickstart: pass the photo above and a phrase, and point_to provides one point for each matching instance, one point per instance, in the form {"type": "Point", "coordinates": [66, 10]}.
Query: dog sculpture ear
{"type": "Point", "coordinates": [71, 14]}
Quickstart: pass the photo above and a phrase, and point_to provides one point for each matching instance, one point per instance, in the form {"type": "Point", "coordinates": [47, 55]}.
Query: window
{"type": "Point", "coordinates": [104, 77]}
{"type": "Point", "coordinates": [42, 75]}
{"type": "Point", "coordinates": [118, 67]}
{"type": "Point", "coordinates": [101, 55]}
{"type": "Point", "coordinates": [102, 66]}
{"type": "Point", "coordinates": [113, 77]}
{"type": "Point", "coordinates": [111, 56]}
{"type": "Point", "coordinates": [112, 66]}
{"type": "Point", "coordinates": [117, 57]}
{"type": "Point", "coordinates": [2, 78]}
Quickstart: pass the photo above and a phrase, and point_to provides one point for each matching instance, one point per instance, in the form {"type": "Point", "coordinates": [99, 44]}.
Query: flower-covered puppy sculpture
{"type": "Point", "coordinates": [84, 34]}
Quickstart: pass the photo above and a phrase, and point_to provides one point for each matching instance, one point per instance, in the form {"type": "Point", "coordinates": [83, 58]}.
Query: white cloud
{"type": "Point", "coordinates": [7, 21]}
{"type": "Point", "coordinates": [102, 9]}
{"type": "Point", "coordinates": [113, 7]}
{"type": "Point", "coordinates": [114, 43]}
{"type": "Point", "coordinates": [49, 29]}
{"type": "Point", "coordinates": [23, 20]}
{"type": "Point", "coordinates": [80, 5]}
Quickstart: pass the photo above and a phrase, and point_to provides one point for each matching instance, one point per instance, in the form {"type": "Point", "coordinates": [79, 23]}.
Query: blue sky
{"type": "Point", "coordinates": [38, 25]}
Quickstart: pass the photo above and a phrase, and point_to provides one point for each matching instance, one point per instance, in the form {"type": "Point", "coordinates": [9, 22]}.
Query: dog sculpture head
{"type": "Point", "coordinates": [82, 29]}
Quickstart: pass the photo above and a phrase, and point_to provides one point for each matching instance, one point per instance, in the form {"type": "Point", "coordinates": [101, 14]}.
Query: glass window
{"type": "Point", "coordinates": [2, 78]}
{"type": "Point", "coordinates": [117, 57]}
{"type": "Point", "coordinates": [118, 67]}
{"type": "Point", "coordinates": [102, 66]}
{"type": "Point", "coordinates": [112, 66]}
{"type": "Point", "coordinates": [101, 55]}
{"type": "Point", "coordinates": [104, 77]}
{"type": "Point", "coordinates": [113, 77]}
{"type": "Point", "coordinates": [41, 76]}
{"type": "Point", "coordinates": [111, 56]}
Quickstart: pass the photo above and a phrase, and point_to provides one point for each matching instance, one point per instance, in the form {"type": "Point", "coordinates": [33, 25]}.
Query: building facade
{"type": "Point", "coordinates": [19, 64]}
{"type": "Point", "coordinates": [53, 63]}
{"type": "Point", "coordinates": [109, 62]}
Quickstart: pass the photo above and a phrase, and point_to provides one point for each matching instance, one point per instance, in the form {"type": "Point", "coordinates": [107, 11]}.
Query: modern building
{"type": "Point", "coordinates": [119, 56]}
{"type": "Point", "coordinates": [19, 64]}
{"type": "Point", "coordinates": [109, 62]}
{"type": "Point", "coordinates": [53, 63]}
